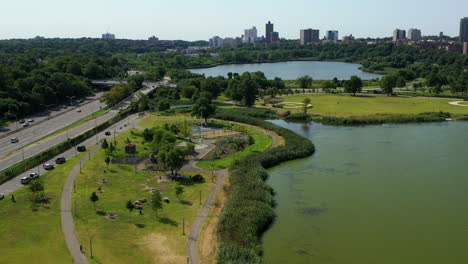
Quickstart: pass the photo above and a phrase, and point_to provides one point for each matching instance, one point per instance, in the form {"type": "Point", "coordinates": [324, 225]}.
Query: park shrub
{"type": "Point", "coordinates": [384, 119]}
{"type": "Point", "coordinates": [249, 210]}
{"type": "Point", "coordinates": [298, 117]}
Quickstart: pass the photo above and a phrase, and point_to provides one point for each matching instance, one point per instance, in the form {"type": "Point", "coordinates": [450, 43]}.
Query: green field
{"type": "Point", "coordinates": [147, 239]}
{"type": "Point", "coordinates": [345, 105]}
{"type": "Point", "coordinates": [33, 234]}
{"type": "Point", "coordinates": [261, 144]}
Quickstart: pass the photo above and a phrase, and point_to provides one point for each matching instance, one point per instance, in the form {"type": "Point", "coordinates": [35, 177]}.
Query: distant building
{"type": "Point", "coordinates": [349, 38]}
{"type": "Point", "coordinates": [414, 34]}
{"type": "Point", "coordinates": [309, 36]}
{"type": "Point", "coordinates": [153, 38]}
{"type": "Point", "coordinates": [464, 29]}
{"type": "Point", "coordinates": [465, 47]}
{"type": "Point", "coordinates": [441, 34]}
{"type": "Point", "coordinates": [332, 35]}
{"type": "Point", "coordinates": [399, 34]}
{"type": "Point", "coordinates": [108, 36]}
{"type": "Point", "coordinates": [269, 29]}
{"type": "Point", "coordinates": [275, 37]}
{"type": "Point", "coordinates": [250, 35]}
{"type": "Point", "coordinates": [216, 42]}
{"type": "Point", "coordinates": [231, 41]}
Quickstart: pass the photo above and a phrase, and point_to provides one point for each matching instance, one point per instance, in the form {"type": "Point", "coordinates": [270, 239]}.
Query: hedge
{"type": "Point", "coordinates": [46, 155]}
{"type": "Point", "coordinates": [249, 210]}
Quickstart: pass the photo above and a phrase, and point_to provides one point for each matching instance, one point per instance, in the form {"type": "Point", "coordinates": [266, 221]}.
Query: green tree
{"type": "Point", "coordinates": [328, 85]}
{"type": "Point", "coordinates": [94, 198]}
{"type": "Point", "coordinates": [130, 206]}
{"type": "Point", "coordinates": [104, 144]}
{"type": "Point", "coordinates": [36, 187]}
{"type": "Point", "coordinates": [156, 202]}
{"type": "Point", "coordinates": [305, 81]}
{"type": "Point", "coordinates": [305, 103]}
{"type": "Point", "coordinates": [174, 158]}
{"type": "Point", "coordinates": [111, 148]}
{"type": "Point", "coordinates": [387, 83]}
{"type": "Point", "coordinates": [354, 85]}
{"type": "Point", "coordinates": [164, 105]}
{"type": "Point", "coordinates": [203, 108]}
{"type": "Point", "coordinates": [179, 191]}
{"type": "Point", "coordinates": [107, 160]}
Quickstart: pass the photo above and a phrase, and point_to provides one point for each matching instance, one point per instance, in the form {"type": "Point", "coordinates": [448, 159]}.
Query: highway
{"type": "Point", "coordinates": [48, 128]}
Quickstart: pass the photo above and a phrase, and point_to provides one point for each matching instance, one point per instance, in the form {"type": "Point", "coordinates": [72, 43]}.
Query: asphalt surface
{"type": "Point", "coordinates": [17, 156]}
{"type": "Point", "coordinates": [12, 130]}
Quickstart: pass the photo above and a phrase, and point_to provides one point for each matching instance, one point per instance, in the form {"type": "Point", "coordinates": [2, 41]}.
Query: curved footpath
{"type": "Point", "coordinates": [194, 235]}
{"type": "Point", "coordinates": [458, 103]}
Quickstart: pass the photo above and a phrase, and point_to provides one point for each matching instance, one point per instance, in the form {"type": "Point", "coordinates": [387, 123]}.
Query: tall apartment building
{"type": "Point", "coordinates": [250, 35]}
{"type": "Point", "coordinates": [269, 29]}
{"type": "Point", "coordinates": [464, 29]}
{"type": "Point", "coordinates": [216, 42]}
{"type": "Point", "coordinates": [332, 35]}
{"type": "Point", "coordinates": [309, 36]}
{"type": "Point", "coordinates": [399, 34]}
{"type": "Point", "coordinates": [108, 36]}
{"type": "Point", "coordinates": [414, 34]}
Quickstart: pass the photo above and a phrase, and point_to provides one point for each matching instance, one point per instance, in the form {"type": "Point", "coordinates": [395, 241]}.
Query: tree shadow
{"type": "Point", "coordinates": [140, 225]}
{"type": "Point", "coordinates": [101, 213]}
{"type": "Point", "coordinates": [186, 202]}
{"type": "Point", "coordinates": [167, 221]}
{"type": "Point", "coordinates": [188, 181]}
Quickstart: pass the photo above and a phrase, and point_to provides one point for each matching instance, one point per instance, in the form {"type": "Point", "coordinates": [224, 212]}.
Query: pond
{"type": "Point", "coordinates": [291, 70]}
{"type": "Point", "coordinates": [377, 194]}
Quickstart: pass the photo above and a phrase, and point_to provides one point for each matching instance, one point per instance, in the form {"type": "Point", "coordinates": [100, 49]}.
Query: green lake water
{"type": "Point", "coordinates": [377, 194]}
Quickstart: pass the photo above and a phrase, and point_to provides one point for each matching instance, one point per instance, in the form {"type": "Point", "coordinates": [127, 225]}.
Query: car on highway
{"type": "Point", "coordinates": [14, 140]}
{"type": "Point", "coordinates": [22, 121]}
{"type": "Point", "coordinates": [25, 124]}
{"type": "Point", "coordinates": [2, 196]}
{"type": "Point", "coordinates": [48, 166]}
{"type": "Point", "coordinates": [65, 107]}
{"type": "Point", "coordinates": [81, 148]}
{"type": "Point", "coordinates": [108, 133]}
{"type": "Point", "coordinates": [31, 120]}
{"type": "Point", "coordinates": [29, 178]}
{"type": "Point", "coordinates": [60, 160]}
{"type": "Point", "coordinates": [79, 110]}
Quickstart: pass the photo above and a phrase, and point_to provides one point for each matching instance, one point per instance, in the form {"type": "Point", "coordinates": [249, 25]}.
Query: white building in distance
{"type": "Point", "coordinates": [414, 34]}
{"type": "Point", "coordinates": [250, 35]}
{"type": "Point", "coordinates": [108, 36]}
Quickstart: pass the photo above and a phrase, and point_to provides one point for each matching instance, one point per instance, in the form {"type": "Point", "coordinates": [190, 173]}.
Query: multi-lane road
{"type": "Point", "coordinates": [12, 155]}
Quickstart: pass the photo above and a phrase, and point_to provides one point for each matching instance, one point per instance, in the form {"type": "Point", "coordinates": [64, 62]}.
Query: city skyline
{"type": "Point", "coordinates": [364, 18]}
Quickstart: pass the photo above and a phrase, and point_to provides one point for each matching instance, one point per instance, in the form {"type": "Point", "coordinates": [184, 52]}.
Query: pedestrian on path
{"type": "Point", "coordinates": [81, 248]}
{"type": "Point", "coordinates": [13, 198]}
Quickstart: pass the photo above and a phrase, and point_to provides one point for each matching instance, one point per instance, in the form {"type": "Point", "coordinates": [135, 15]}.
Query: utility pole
{"type": "Point", "coordinates": [200, 197]}
{"type": "Point", "coordinates": [183, 226]}
{"type": "Point", "coordinates": [91, 247]}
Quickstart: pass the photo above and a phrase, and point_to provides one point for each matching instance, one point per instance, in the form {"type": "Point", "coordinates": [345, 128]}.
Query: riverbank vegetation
{"type": "Point", "coordinates": [249, 210]}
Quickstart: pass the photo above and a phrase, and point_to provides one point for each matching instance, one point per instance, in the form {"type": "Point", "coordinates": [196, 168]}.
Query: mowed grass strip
{"type": "Point", "coordinates": [147, 238]}
{"type": "Point", "coordinates": [261, 144]}
{"type": "Point", "coordinates": [345, 105]}
{"type": "Point", "coordinates": [33, 234]}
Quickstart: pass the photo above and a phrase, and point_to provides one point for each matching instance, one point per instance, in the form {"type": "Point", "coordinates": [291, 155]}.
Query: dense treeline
{"type": "Point", "coordinates": [249, 210]}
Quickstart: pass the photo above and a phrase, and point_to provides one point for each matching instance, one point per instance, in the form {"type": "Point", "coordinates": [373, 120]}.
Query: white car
{"type": "Point", "coordinates": [48, 166]}
{"type": "Point", "coordinates": [79, 110]}
{"type": "Point", "coordinates": [31, 120]}
{"type": "Point", "coordinates": [14, 140]}
{"type": "Point", "coordinates": [2, 196]}
{"type": "Point", "coordinates": [32, 176]}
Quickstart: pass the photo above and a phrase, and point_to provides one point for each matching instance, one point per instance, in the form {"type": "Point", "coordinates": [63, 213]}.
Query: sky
{"type": "Point", "coordinates": [202, 19]}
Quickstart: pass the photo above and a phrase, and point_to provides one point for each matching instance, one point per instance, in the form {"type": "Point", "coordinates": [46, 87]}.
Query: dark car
{"type": "Point", "coordinates": [107, 133]}
{"type": "Point", "coordinates": [60, 160]}
{"type": "Point", "coordinates": [81, 148]}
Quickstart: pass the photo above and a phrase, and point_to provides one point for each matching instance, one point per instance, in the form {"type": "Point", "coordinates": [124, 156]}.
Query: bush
{"type": "Point", "coordinates": [298, 117]}
{"type": "Point", "coordinates": [249, 210]}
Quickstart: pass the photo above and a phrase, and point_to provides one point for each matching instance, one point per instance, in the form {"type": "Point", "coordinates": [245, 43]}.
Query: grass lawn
{"type": "Point", "coordinates": [159, 120]}
{"type": "Point", "coordinates": [262, 143]}
{"type": "Point", "coordinates": [345, 105]}
{"type": "Point", "coordinates": [34, 234]}
{"type": "Point", "coordinates": [147, 239]}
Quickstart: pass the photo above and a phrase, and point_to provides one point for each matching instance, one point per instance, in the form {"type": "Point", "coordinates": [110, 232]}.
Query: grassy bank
{"type": "Point", "coordinates": [33, 233]}
{"type": "Point", "coordinates": [134, 237]}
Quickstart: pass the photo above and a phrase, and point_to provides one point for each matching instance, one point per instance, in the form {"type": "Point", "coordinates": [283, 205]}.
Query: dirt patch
{"type": "Point", "coordinates": [208, 244]}
{"type": "Point", "coordinates": [128, 160]}
{"type": "Point", "coordinates": [163, 250]}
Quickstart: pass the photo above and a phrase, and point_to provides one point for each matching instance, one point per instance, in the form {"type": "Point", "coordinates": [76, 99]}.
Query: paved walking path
{"type": "Point", "coordinates": [68, 226]}
{"type": "Point", "coordinates": [459, 103]}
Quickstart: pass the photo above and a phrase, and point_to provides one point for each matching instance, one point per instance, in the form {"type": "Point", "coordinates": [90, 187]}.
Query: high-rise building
{"type": "Point", "coordinates": [108, 36]}
{"type": "Point", "coordinates": [414, 34]}
{"type": "Point", "coordinates": [309, 36]}
{"type": "Point", "coordinates": [250, 35]}
{"type": "Point", "coordinates": [269, 29]}
{"type": "Point", "coordinates": [274, 36]}
{"type": "Point", "coordinates": [465, 47]}
{"type": "Point", "coordinates": [464, 29]}
{"type": "Point", "coordinates": [332, 35]}
{"type": "Point", "coordinates": [216, 42]}
{"type": "Point", "coordinates": [153, 38]}
{"type": "Point", "coordinates": [399, 34]}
